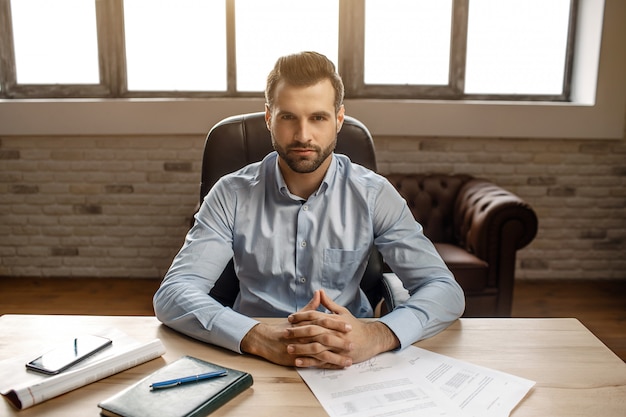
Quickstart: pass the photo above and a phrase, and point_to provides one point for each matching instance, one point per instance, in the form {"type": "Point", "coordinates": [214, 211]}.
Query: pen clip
{"type": "Point", "coordinates": [159, 385]}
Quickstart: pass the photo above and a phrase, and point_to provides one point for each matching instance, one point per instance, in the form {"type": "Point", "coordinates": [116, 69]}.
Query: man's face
{"type": "Point", "coordinates": [304, 125]}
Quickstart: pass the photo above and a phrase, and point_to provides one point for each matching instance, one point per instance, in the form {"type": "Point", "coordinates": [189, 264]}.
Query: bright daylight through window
{"type": "Point", "coordinates": [412, 47]}
{"type": "Point", "coordinates": [55, 41]}
{"type": "Point", "coordinates": [272, 28]}
{"type": "Point", "coordinates": [175, 45]}
{"type": "Point", "coordinates": [516, 47]}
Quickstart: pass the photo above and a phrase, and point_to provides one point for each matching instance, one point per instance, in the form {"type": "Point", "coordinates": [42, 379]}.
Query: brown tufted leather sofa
{"type": "Point", "coordinates": [477, 228]}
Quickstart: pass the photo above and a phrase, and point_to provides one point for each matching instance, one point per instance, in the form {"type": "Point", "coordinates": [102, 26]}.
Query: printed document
{"type": "Point", "coordinates": [416, 382]}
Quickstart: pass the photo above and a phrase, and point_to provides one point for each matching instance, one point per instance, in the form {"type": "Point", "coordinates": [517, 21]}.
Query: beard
{"type": "Point", "coordinates": [304, 164]}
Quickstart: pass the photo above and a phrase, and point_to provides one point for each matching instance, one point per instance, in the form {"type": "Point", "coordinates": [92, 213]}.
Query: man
{"type": "Point", "coordinates": [300, 226]}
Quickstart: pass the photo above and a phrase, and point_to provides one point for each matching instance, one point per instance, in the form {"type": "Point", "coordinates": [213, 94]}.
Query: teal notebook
{"type": "Point", "coordinates": [193, 399]}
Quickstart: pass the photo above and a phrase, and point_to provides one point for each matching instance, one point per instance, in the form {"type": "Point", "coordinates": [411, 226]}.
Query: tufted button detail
{"type": "Point", "coordinates": [431, 199]}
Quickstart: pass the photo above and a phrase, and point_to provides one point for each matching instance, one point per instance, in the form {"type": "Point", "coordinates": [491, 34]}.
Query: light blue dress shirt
{"type": "Point", "coordinates": [285, 248]}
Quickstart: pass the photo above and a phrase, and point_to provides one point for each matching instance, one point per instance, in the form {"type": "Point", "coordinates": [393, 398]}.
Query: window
{"type": "Point", "coordinates": [417, 49]}
{"type": "Point", "coordinates": [268, 29]}
{"type": "Point", "coordinates": [517, 47]}
{"type": "Point", "coordinates": [164, 47]}
{"type": "Point", "coordinates": [407, 44]}
{"type": "Point", "coordinates": [63, 50]}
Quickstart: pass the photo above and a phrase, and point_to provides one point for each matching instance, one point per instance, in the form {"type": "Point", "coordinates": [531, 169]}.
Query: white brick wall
{"type": "Point", "coordinates": [120, 206]}
{"type": "Point", "coordinates": [94, 206]}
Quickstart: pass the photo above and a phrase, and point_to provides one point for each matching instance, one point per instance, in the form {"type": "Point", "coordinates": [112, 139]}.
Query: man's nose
{"type": "Point", "coordinates": [303, 131]}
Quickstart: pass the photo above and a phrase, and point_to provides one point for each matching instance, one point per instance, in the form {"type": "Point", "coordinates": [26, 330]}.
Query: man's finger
{"type": "Point", "coordinates": [326, 360]}
{"type": "Point", "coordinates": [314, 303]}
{"type": "Point", "coordinates": [305, 334]}
{"type": "Point", "coordinates": [322, 322]}
{"type": "Point", "coordinates": [330, 305]}
{"type": "Point", "coordinates": [316, 345]}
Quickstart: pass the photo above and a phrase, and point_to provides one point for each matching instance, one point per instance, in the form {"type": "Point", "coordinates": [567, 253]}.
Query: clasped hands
{"type": "Point", "coordinates": [310, 338]}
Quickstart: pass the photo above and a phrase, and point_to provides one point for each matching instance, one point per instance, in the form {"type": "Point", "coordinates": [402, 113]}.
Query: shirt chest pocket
{"type": "Point", "coordinates": [341, 266]}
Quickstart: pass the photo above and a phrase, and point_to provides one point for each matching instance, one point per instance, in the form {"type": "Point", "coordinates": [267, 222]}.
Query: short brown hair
{"type": "Point", "coordinates": [304, 69]}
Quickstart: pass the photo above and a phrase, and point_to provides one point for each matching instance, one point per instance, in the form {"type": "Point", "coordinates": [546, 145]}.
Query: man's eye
{"type": "Point", "coordinates": [319, 118]}
{"type": "Point", "coordinates": [287, 117]}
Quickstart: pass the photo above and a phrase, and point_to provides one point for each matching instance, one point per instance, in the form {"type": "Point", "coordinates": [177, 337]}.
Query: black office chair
{"type": "Point", "coordinates": [243, 139]}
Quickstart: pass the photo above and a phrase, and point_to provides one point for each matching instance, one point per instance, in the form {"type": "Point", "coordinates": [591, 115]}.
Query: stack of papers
{"type": "Point", "coordinates": [416, 382]}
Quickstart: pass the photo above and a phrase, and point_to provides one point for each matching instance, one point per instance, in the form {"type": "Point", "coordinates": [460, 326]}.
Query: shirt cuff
{"type": "Point", "coordinates": [232, 328]}
{"type": "Point", "coordinates": [403, 323]}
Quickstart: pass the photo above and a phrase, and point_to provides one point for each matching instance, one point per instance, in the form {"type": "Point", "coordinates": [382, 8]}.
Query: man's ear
{"type": "Point", "coordinates": [340, 117]}
{"type": "Point", "coordinates": [268, 116]}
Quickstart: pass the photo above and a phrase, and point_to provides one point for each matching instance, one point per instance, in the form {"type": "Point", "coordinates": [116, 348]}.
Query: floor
{"type": "Point", "coordinates": [599, 305]}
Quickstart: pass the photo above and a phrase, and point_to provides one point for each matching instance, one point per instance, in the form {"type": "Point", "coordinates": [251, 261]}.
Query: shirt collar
{"type": "Point", "coordinates": [328, 180]}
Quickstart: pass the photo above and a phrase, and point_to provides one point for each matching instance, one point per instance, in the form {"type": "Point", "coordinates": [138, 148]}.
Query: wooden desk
{"type": "Point", "coordinates": [576, 374]}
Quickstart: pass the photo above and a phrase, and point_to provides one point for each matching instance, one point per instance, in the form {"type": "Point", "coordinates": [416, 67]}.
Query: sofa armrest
{"type": "Point", "coordinates": [493, 223]}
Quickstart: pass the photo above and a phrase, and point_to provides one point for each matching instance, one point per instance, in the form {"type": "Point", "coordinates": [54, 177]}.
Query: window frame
{"type": "Point", "coordinates": [112, 64]}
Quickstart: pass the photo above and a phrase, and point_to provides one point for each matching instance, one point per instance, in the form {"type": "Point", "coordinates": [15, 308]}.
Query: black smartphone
{"type": "Point", "coordinates": [68, 354]}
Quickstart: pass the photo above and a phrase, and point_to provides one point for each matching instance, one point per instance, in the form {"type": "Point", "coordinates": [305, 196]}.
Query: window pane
{"type": "Point", "coordinates": [407, 41]}
{"type": "Point", "coordinates": [516, 47]}
{"type": "Point", "coordinates": [55, 41]}
{"type": "Point", "coordinates": [175, 45]}
{"type": "Point", "coordinates": [269, 29]}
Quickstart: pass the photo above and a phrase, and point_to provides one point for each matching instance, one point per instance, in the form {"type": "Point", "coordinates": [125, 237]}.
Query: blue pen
{"type": "Point", "coordinates": [179, 381]}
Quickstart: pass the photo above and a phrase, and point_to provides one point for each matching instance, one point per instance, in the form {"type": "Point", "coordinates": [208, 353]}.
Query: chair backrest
{"type": "Point", "coordinates": [243, 139]}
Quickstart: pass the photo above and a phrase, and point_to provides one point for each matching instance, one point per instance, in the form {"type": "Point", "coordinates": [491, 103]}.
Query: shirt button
{"type": "Point", "coordinates": [305, 208]}
{"type": "Point", "coordinates": [302, 280]}
{"type": "Point", "coordinates": [303, 244]}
